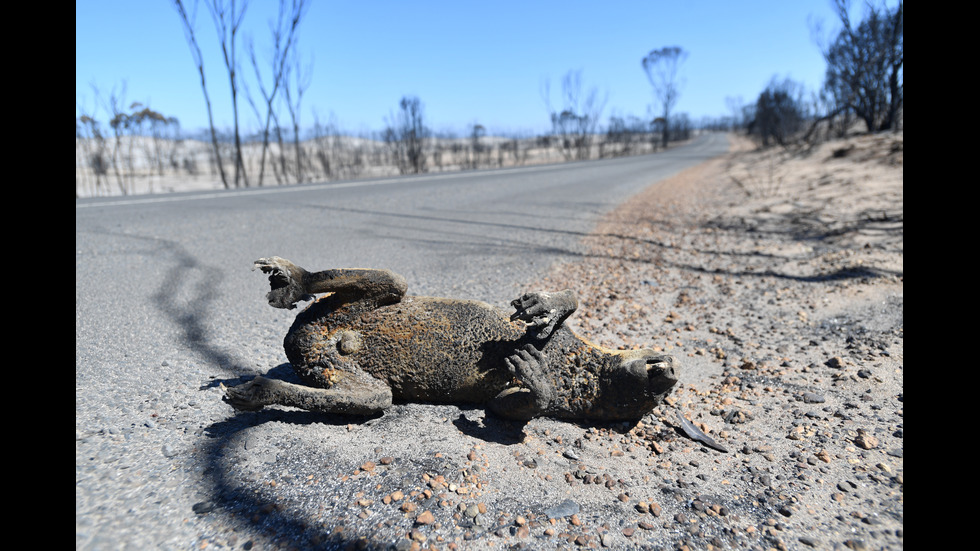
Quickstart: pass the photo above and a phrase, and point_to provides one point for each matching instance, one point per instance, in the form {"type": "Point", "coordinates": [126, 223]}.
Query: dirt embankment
{"type": "Point", "coordinates": [776, 279]}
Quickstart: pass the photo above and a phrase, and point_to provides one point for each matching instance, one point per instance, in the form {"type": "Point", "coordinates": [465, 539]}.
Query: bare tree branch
{"type": "Point", "coordinates": [199, 63]}
{"type": "Point", "coordinates": [865, 65]}
{"type": "Point", "coordinates": [227, 20]}
{"type": "Point", "coordinates": [294, 98]}
{"type": "Point", "coordinates": [661, 67]}
{"type": "Point", "coordinates": [284, 37]}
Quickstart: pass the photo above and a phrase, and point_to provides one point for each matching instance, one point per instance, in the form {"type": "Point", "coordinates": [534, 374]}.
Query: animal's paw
{"type": "Point", "coordinates": [526, 363]}
{"type": "Point", "coordinates": [250, 396]}
{"type": "Point", "coordinates": [285, 280]}
{"type": "Point", "coordinates": [530, 366]}
{"type": "Point", "coordinates": [544, 311]}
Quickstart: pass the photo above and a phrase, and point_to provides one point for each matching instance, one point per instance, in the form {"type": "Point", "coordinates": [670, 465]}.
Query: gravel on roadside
{"type": "Point", "coordinates": [776, 278]}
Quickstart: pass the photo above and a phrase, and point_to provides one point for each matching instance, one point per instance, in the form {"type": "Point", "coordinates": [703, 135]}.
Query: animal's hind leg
{"type": "Point", "coordinates": [290, 284]}
{"type": "Point", "coordinates": [357, 394]}
{"type": "Point", "coordinates": [287, 281]}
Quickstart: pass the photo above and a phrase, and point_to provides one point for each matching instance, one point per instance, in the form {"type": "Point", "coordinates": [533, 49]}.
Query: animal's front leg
{"type": "Point", "coordinates": [536, 395]}
{"type": "Point", "coordinates": [544, 311]}
{"type": "Point", "coordinates": [357, 395]}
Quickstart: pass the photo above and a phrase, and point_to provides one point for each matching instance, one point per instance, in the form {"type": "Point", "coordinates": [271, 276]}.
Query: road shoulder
{"type": "Point", "coordinates": [777, 281]}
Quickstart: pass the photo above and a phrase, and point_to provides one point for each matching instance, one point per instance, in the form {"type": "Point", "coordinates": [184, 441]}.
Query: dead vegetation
{"type": "Point", "coordinates": [843, 189]}
{"type": "Point", "coordinates": [327, 155]}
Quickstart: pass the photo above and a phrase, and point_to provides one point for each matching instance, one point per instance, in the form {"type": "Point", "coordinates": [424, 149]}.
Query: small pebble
{"type": "Point", "coordinates": [564, 509]}
{"type": "Point", "coordinates": [865, 441]}
{"type": "Point", "coordinates": [813, 398]}
{"type": "Point", "coordinates": [836, 362]}
{"type": "Point", "coordinates": [203, 507]}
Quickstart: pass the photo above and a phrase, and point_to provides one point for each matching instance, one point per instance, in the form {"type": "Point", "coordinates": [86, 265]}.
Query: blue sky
{"type": "Point", "coordinates": [469, 62]}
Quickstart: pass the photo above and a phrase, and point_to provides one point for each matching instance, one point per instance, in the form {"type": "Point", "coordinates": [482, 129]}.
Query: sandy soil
{"type": "Point", "coordinates": [777, 280]}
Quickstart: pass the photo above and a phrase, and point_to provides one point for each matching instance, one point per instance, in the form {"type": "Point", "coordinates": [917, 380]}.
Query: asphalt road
{"type": "Point", "coordinates": [166, 304]}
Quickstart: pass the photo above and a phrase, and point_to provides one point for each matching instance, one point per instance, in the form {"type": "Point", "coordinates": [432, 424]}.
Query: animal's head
{"type": "Point", "coordinates": [633, 383]}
